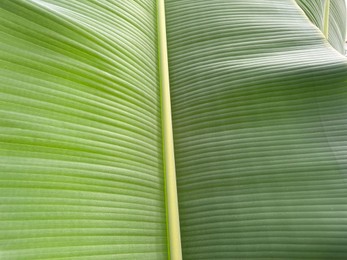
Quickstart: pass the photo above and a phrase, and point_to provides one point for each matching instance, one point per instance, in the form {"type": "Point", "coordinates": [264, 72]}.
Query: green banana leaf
{"type": "Point", "coordinates": [335, 22]}
{"type": "Point", "coordinates": [314, 11]}
{"type": "Point", "coordinates": [259, 106]}
{"type": "Point", "coordinates": [81, 150]}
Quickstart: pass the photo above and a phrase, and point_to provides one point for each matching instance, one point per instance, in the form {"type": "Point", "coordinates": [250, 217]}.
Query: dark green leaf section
{"type": "Point", "coordinates": [314, 9]}
{"type": "Point", "coordinates": [259, 112]}
{"type": "Point", "coordinates": [80, 134]}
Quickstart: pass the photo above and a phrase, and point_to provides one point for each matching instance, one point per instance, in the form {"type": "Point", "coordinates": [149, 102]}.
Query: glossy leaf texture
{"type": "Point", "coordinates": [314, 9]}
{"type": "Point", "coordinates": [259, 106]}
{"type": "Point", "coordinates": [80, 127]}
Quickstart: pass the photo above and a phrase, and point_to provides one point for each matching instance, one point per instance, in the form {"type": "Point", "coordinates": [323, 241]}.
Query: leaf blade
{"type": "Point", "coordinates": [258, 114]}
{"type": "Point", "coordinates": [81, 148]}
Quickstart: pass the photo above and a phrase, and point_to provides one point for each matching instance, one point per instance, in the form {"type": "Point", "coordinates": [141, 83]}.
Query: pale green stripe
{"type": "Point", "coordinates": [326, 18]}
{"type": "Point", "coordinates": [168, 142]}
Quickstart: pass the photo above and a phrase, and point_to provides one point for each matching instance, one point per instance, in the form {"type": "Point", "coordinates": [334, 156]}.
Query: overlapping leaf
{"type": "Point", "coordinates": [315, 10]}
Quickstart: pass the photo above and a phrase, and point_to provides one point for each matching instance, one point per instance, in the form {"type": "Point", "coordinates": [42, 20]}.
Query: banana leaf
{"type": "Point", "coordinates": [335, 20]}
{"type": "Point", "coordinates": [259, 103]}
{"type": "Point", "coordinates": [259, 106]}
{"type": "Point", "coordinates": [81, 149]}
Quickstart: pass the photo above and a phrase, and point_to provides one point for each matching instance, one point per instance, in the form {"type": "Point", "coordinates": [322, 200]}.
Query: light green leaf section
{"type": "Point", "coordinates": [315, 10]}
{"type": "Point", "coordinates": [259, 105]}
{"type": "Point", "coordinates": [337, 24]}
{"type": "Point", "coordinates": [80, 131]}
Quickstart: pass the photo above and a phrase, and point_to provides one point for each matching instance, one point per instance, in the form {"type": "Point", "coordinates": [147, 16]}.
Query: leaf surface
{"type": "Point", "coordinates": [315, 10]}
{"type": "Point", "coordinates": [80, 131]}
{"type": "Point", "coordinates": [259, 117]}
